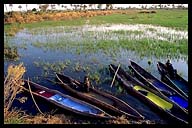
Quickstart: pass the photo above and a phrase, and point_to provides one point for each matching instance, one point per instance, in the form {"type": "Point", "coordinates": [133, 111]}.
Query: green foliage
{"type": "Point", "coordinates": [15, 120]}
{"type": "Point", "coordinates": [34, 9]}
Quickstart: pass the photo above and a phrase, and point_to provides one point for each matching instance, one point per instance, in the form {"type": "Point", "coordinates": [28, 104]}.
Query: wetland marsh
{"type": "Point", "coordinates": [88, 49]}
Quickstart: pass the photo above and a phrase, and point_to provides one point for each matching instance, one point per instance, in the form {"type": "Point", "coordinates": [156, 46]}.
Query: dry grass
{"type": "Point", "coordinates": [31, 17]}
{"type": "Point", "coordinates": [11, 88]}
{"type": "Point", "coordinates": [11, 84]}
{"type": "Point", "coordinates": [123, 120]}
{"type": "Point", "coordinates": [119, 120]}
{"type": "Point", "coordinates": [48, 119]}
{"type": "Point", "coordinates": [15, 116]}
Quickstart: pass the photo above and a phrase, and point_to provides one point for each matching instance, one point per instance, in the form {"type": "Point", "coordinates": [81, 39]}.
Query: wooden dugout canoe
{"type": "Point", "coordinates": [168, 110]}
{"type": "Point", "coordinates": [107, 102]}
{"type": "Point", "coordinates": [154, 83]}
{"type": "Point", "coordinates": [178, 83]}
{"type": "Point", "coordinates": [67, 102]}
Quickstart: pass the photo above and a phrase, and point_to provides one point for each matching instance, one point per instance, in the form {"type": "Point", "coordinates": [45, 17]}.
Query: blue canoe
{"type": "Point", "coordinates": [154, 83]}
{"type": "Point", "coordinates": [67, 102]}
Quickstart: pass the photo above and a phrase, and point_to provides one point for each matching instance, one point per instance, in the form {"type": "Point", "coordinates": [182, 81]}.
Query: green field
{"type": "Point", "coordinates": [168, 18]}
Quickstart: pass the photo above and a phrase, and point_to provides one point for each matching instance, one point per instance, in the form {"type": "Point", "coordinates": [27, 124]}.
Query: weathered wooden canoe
{"type": "Point", "coordinates": [67, 102]}
{"type": "Point", "coordinates": [171, 112]}
{"type": "Point", "coordinates": [154, 83]}
{"type": "Point", "coordinates": [107, 102]}
{"type": "Point", "coordinates": [178, 83]}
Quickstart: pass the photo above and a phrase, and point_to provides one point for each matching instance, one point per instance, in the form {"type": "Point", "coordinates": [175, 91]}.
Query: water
{"type": "Point", "coordinates": [67, 45]}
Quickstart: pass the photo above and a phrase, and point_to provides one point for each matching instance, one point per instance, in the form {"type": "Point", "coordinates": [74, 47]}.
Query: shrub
{"type": "Point", "coordinates": [34, 9]}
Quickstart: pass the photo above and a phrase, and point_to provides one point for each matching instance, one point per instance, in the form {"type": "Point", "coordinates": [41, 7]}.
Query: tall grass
{"type": "Point", "coordinates": [12, 83]}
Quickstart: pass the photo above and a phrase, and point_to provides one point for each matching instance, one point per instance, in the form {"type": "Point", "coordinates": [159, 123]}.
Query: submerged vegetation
{"type": "Point", "coordinates": [56, 67]}
{"type": "Point", "coordinates": [10, 53]}
{"type": "Point", "coordinates": [148, 41]}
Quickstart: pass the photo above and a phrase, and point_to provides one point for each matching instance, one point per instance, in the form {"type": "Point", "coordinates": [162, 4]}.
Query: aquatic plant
{"type": "Point", "coordinates": [149, 62]}
{"type": "Point", "coordinates": [95, 76]}
{"type": "Point", "coordinates": [49, 67]}
{"type": "Point", "coordinates": [105, 40]}
{"type": "Point", "coordinates": [11, 52]}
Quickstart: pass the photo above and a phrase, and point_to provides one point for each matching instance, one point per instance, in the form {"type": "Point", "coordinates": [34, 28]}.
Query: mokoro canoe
{"type": "Point", "coordinates": [178, 83]}
{"type": "Point", "coordinates": [107, 102]}
{"type": "Point", "coordinates": [154, 83]}
{"type": "Point", "coordinates": [171, 112]}
{"type": "Point", "coordinates": [67, 102]}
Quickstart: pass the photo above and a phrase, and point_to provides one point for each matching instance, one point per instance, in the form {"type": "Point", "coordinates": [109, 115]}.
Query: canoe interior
{"type": "Point", "coordinates": [116, 102]}
{"type": "Point", "coordinates": [172, 83]}
{"type": "Point", "coordinates": [181, 85]}
{"type": "Point", "coordinates": [76, 85]}
{"type": "Point", "coordinates": [73, 104]}
{"type": "Point", "coordinates": [171, 95]}
{"type": "Point", "coordinates": [154, 98]}
{"type": "Point", "coordinates": [97, 96]}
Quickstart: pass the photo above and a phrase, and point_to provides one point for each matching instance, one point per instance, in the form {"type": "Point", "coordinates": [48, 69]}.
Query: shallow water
{"type": "Point", "coordinates": [92, 62]}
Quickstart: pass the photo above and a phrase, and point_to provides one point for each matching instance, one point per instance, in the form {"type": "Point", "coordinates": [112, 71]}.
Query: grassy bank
{"type": "Point", "coordinates": [169, 18]}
